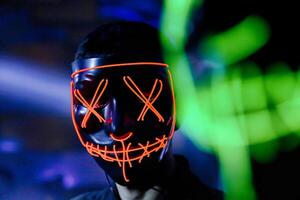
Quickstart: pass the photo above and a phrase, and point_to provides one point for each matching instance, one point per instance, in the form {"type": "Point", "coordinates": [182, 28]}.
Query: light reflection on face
{"type": "Point", "coordinates": [124, 116]}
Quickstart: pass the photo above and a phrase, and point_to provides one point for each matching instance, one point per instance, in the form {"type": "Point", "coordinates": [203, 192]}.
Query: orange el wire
{"type": "Point", "coordinates": [146, 108]}
{"type": "Point", "coordinates": [127, 155]}
{"type": "Point", "coordinates": [105, 151]}
{"type": "Point", "coordinates": [86, 104]}
{"type": "Point", "coordinates": [161, 143]}
{"type": "Point", "coordinates": [95, 151]}
{"type": "Point", "coordinates": [73, 115]}
{"type": "Point", "coordinates": [154, 64]}
{"type": "Point", "coordinates": [146, 152]}
{"type": "Point", "coordinates": [90, 106]}
{"type": "Point", "coordinates": [93, 103]}
{"type": "Point", "coordinates": [142, 97]}
{"type": "Point", "coordinates": [146, 149]}
{"type": "Point", "coordinates": [123, 161]}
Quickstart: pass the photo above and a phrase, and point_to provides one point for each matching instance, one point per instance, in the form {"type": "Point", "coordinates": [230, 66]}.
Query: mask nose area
{"type": "Point", "coordinates": [117, 119]}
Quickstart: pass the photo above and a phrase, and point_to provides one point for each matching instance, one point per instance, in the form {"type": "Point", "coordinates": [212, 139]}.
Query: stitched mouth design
{"type": "Point", "coordinates": [127, 153]}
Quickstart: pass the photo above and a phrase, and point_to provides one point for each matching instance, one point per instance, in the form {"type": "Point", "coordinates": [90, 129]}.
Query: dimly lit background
{"type": "Point", "coordinates": [238, 62]}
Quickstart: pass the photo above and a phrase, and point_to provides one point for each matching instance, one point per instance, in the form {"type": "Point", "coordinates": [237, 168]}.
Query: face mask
{"type": "Point", "coordinates": [124, 115]}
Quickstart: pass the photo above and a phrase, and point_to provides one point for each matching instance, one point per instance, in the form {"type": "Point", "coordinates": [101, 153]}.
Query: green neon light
{"type": "Point", "coordinates": [237, 43]}
{"type": "Point", "coordinates": [192, 114]}
{"type": "Point", "coordinates": [237, 112]}
{"type": "Point", "coordinates": [280, 82]}
{"type": "Point", "coordinates": [253, 103]}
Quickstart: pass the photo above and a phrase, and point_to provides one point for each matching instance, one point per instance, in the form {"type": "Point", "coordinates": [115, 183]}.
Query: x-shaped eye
{"type": "Point", "coordinates": [147, 101]}
{"type": "Point", "coordinates": [91, 106]}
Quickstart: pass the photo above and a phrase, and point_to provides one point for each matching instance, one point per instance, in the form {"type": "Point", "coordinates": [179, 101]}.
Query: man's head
{"type": "Point", "coordinates": [123, 106]}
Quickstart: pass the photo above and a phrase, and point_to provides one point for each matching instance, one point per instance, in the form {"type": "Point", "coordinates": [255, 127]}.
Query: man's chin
{"type": "Point", "coordinates": [141, 182]}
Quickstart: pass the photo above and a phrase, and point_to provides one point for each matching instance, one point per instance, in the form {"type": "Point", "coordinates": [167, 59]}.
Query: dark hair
{"type": "Point", "coordinates": [122, 42]}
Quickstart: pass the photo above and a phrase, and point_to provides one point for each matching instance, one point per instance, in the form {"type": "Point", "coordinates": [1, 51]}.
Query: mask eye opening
{"type": "Point", "coordinates": [148, 103]}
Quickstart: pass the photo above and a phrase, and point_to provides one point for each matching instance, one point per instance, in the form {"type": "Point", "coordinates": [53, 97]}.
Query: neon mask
{"type": "Point", "coordinates": [123, 114]}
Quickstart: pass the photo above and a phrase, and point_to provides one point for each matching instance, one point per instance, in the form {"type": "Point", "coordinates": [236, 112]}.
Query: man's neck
{"type": "Point", "coordinates": [127, 193]}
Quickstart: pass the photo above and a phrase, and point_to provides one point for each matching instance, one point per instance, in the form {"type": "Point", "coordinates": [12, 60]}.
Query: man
{"type": "Point", "coordinates": [123, 111]}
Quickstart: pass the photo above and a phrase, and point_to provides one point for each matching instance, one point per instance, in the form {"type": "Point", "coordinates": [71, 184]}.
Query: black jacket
{"type": "Point", "coordinates": [183, 185]}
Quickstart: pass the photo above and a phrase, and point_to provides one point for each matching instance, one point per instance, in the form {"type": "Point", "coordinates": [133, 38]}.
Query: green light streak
{"type": "Point", "coordinates": [173, 36]}
{"type": "Point", "coordinates": [259, 127]}
{"type": "Point", "coordinates": [260, 115]}
{"type": "Point", "coordinates": [174, 22]}
{"type": "Point", "coordinates": [237, 43]}
{"type": "Point", "coordinates": [252, 92]}
{"type": "Point", "coordinates": [234, 164]}
{"type": "Point", "coordinates": [240, 111]}
{"type": "Point", "coordinates": [248, 97]}
{"type": "Point", "coordinates": [280, 82]}
{"type": "Point", "coordinates": [190, 112]}
{"type": "Point", "coordinates": [289, 112]}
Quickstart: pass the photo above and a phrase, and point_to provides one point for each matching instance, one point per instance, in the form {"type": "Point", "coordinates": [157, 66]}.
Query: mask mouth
{"type": "Point", "coordinates": [126, 154]}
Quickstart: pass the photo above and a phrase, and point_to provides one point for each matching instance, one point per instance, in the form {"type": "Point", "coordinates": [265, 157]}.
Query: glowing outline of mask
{"type": "Point", "coordinates": [97, 151]}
